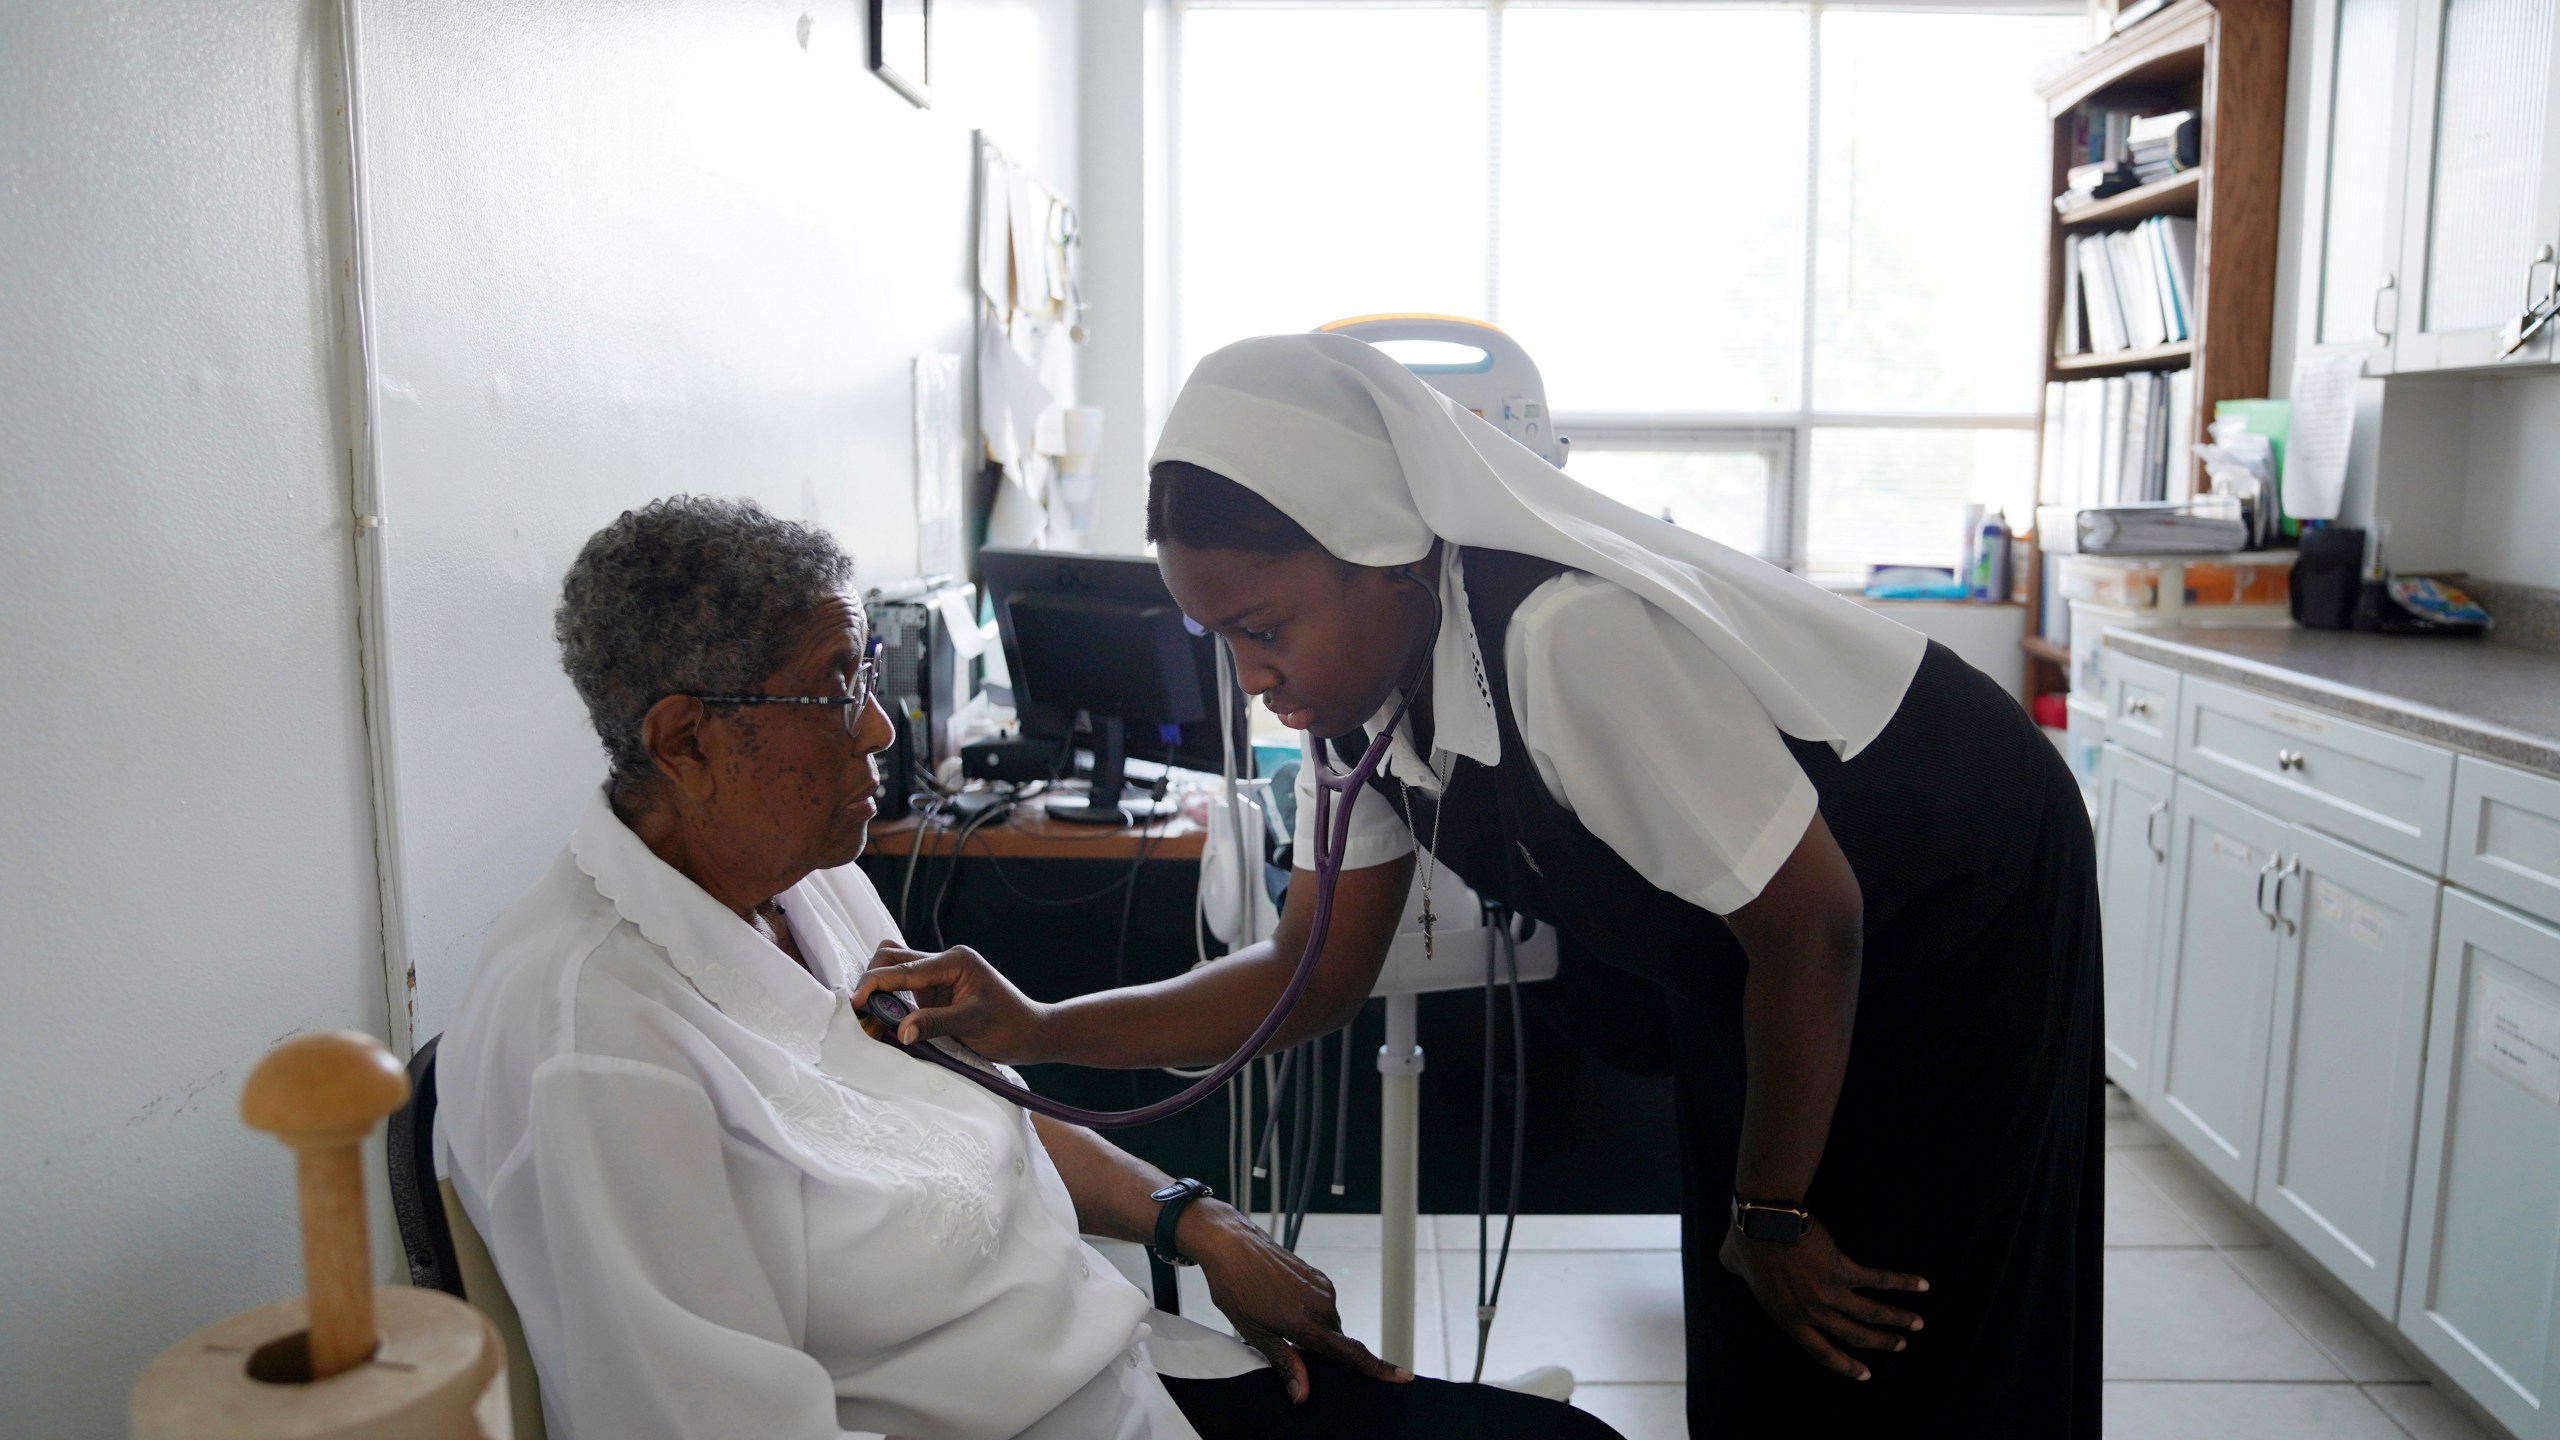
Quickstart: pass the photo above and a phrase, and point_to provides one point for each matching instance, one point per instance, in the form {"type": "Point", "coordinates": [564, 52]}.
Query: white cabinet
{"type": "Point", "coordinates": [2384, 792]}
{"type": "Point", "coordinates": [2346, 1053]}
{"type": "Point", "coordinates": [2133, 879]}
{"type": "Point", "coordinates": [2142, 707]}
{"type": "Point", "coordinates": [2209, 1061]}
{"type": "Point", "coordinates": [2480, 210]}
{"type": "Point", "coordinates": [2481, 1291]}
{"type": "Point", "coordinates": [2357, 156]}
{"type": "Point", "coordinates": [2506, 836]}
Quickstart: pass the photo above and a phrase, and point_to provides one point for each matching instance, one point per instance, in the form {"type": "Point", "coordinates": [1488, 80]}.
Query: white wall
{"type": "Point", "coordinates": [2511, 511]}
{"type": "Point", "coordinates": [1121, 255]}
{"type": "Point", "coordinates": [189, 873]}
{"type": "Point", "coordinates": [622, 250]}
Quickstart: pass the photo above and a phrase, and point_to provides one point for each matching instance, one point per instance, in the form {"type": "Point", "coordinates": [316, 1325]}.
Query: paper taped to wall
{"type": "Point", "coordinates": [2324, 421]}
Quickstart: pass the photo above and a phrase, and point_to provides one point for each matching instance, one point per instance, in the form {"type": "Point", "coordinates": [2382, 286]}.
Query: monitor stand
{"type": "Point", "coordinates": [1110, 776]}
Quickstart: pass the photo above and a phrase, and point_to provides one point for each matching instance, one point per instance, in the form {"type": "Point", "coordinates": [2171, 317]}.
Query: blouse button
{"type": "Point", "coordinates": [1084, 1270]}
{"type": "Point", "coordinates": [938, 1083]}
{"type": "Point", "coordinates": [1017, 1164]}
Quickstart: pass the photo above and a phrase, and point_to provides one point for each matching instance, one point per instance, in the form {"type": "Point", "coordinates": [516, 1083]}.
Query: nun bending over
{"type": "Point", "coordinates": [721, 1208]}
{"type": "Point", "coordinates": [1829, 869]}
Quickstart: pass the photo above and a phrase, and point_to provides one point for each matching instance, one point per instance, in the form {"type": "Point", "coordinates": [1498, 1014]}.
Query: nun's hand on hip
{"type": "Point", "coordinates": [1812, 1291]}
{"type": "Point", "coordinates": [958, 994]}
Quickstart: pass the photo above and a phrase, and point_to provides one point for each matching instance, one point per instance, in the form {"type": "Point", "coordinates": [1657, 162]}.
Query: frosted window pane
{"type": "Point", "coordinates": [1653, 187]}
{"type": "Point", "coordinates": [1721, 494]}
{"type": "Point", "coordinates": [2359, 168]}
{"type": "Point", "coordinates": [1332, 164]}
{"type": "Point", "coordinates": [1930, 247]}
{"type": "Point", "coordinates": [1897, 497]}
{"type": "Point", "coordinates": [2488, 171]}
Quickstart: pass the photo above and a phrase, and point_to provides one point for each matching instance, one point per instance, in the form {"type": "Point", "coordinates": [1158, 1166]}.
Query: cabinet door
{"type": "Point", "coordinates": [2133, 885]}
{"type": "Point", "coordinates": [2209, 1065]}
{"type": "Point", "coordinates": [2481, 1292]}
{"type": "Point", "coordinates": [2352, 186]}
{"type": "Point", "coordinates": [2345, 1056]}
{"type": "Point", "coordinates": [2481, 214]}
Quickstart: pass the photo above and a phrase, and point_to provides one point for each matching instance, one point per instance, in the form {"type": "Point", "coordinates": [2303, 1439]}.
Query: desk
{"type": "Point", "coordinates": [1029, 834]}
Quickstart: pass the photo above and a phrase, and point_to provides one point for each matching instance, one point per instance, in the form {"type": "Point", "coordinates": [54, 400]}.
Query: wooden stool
{"type": "Point", "coordinates": [387, 1363]}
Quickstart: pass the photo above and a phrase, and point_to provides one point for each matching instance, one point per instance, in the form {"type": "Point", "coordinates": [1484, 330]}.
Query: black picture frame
{"type": "Point", "coordinates": [902, 47]}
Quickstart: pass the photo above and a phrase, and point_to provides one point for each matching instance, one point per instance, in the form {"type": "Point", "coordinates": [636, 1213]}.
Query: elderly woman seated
{"type": "Point", "coordinates": [723, 1209]}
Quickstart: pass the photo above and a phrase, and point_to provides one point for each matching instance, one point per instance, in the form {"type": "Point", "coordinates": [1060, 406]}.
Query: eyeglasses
{"type": "Point", "coordinates": [866, 679]}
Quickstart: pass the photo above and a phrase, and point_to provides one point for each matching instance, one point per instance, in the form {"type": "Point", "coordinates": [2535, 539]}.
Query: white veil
{"type": "Point", "coordinates": [1374, 464]}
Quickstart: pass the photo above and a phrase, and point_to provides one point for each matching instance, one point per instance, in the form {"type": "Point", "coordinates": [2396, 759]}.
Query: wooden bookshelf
{"type": "Point", "coordinates": [2227, 63]}
{"type": "Point", "coordinates": [2172, 356]}
{"type": "Point", "coordinates": [2173, 196]}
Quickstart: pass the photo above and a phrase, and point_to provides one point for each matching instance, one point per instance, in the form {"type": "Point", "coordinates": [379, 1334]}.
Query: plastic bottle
{"type": "Point", "coordinates": [1990, 578]}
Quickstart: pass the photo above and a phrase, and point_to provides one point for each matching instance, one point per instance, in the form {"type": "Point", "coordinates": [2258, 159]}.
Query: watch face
{"type": "Point", "coordinates": [1777, 1225]}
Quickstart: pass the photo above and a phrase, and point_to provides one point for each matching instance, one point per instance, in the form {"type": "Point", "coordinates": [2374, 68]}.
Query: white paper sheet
{"type": "Point", "coordinates": [2324, 421]}
{"type": "Point", "coordinates": [2517, 1034]}
{"type": "Point", "coordinates": [941, 464]}
{"type": "Point", "coordinates": [1011, 399]}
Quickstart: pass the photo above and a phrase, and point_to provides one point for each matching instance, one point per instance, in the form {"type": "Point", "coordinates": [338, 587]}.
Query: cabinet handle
{"type": "Point", "coordinates": [2289, 759]}
{"type": "Point", "coordinates": [2137, 707]}
{"type": "Point", "coordinates": [2537, 312]}
{"type": "Point", "coordinates": [2292, 867]}
{"type": "Point", "coordinates": [2265, 872]}
{"type": "Point", "coordinates": [2151, 822]}
{"type": "Point", "coordinates": [2388, 290]}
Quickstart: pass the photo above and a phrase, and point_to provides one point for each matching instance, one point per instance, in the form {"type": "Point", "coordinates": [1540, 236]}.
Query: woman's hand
{"type": "Point", "coordinates": [1280, 1304]}
{"type": "Point", "coordinates": [1811, 1290]}
{"type": "Point", "coordinates": [960, 995]}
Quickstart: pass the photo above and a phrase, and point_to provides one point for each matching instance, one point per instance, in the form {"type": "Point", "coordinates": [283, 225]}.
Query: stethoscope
{"type": "Point", "coordinates": [1332, 834]}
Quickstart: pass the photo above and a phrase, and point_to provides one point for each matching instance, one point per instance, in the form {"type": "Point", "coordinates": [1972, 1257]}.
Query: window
{"type": "Point", "coordinates": [1781, 265]}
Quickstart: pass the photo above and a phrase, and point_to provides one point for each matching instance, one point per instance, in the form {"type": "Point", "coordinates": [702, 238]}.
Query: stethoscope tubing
{"type": "Point", "coordinates": [1333, 835]}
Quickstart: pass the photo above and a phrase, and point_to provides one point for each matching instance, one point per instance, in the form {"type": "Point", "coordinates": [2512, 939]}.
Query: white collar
{"type": "Point", "coordinates": [1462, 719]}
{"type": "Point", "coordinates": [736, 969]}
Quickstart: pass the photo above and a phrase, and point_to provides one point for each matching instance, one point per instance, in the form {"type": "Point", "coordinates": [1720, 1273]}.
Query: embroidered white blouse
{"type": "Point", "coordinates": [1652, 741]}
{"type": "Point", "coordinates": [723, 1210]}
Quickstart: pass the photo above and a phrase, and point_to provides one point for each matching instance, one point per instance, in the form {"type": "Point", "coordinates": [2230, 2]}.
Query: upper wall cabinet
{"type": "Point", "coordinates": [2358, 152]}
{"type": "Point", "coordinates": [2482, 213]}
{"type": "Point", "coordinates": [2434, 181]}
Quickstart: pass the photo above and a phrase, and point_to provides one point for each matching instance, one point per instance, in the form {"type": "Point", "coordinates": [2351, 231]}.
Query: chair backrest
{"type": "Point", "coordinates": [444, 1248]}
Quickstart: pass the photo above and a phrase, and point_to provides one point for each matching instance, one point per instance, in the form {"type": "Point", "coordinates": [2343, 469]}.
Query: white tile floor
{"type": "Point", "coordinates": [2210, 1331]}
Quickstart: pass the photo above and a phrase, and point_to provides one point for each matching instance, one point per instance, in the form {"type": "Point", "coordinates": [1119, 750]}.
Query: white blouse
{"type": "Point", "coordinates": [723, 1210]}
{"type": "Point", "coordinates": [1645, 734]}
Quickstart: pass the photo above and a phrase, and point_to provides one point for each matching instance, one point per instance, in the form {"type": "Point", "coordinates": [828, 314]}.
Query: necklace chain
{"type": "Point", "coordinates": [1431, 852]}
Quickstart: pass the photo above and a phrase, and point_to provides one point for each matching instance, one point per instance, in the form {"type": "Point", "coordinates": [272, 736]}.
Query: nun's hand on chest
{"type": "Point", "coordinates": [960, 995]}
{"type": "Point", "coordinates": [1813, 1293]}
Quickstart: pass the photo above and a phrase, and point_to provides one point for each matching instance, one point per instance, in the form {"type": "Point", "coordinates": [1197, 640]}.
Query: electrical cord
{"type": "Point", "coordinates": [1489, 1296]}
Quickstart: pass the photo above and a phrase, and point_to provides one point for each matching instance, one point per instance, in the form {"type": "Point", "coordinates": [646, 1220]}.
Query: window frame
{"type": "Point", "coordinates": [1786, 435]}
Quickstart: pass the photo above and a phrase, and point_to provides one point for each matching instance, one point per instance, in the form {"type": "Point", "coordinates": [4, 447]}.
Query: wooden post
{"type": "Point", "coordinates": [321, 1094]}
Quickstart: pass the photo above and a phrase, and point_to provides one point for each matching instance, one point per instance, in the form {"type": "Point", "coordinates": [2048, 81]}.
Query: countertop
{"type": "Point", "coordinates": [2498, 701]}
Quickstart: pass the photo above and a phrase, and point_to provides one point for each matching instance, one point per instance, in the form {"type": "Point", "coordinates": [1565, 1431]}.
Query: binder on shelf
{"type": "Point", "coordinates": [2128, 289]}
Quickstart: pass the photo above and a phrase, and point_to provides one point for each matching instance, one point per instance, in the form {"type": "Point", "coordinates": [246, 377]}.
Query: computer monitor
{"type": "Point", "coordinates": [1099, 636]}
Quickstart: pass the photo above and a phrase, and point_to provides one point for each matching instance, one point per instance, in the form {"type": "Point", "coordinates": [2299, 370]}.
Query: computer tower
{"type": "Point", "coordinates": [923, 680]}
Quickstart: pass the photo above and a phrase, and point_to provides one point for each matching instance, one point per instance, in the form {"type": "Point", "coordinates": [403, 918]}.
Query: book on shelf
{"type": "Point", "coordinates": [2121, 149]}
{"type": "Point", "coordinates": [2115, 440]}
{"type": "Point", "coordinates": [2128, 289]}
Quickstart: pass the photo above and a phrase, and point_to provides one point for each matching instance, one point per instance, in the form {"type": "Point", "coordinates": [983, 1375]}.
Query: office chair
{"type": "Point", "coordinates": [444, 1249]}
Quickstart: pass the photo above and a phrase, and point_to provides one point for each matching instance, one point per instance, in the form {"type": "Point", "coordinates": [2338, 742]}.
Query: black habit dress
{"type": "Point", "coordinates": [1968, 1142]}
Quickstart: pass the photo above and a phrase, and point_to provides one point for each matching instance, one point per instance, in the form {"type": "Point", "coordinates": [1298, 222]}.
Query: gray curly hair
{"type": "Point", "coordinates": [686, 595]}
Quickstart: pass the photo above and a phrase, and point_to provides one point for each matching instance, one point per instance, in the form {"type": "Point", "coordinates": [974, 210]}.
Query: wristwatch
{"type": "Point", "coordinates": [1777, 1224]}
{"type": "Point", "coordinates": [1171, 1201]}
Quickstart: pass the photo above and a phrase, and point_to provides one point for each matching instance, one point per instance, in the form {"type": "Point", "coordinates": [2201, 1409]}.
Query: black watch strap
{"type": "Point", "coordinates": [1776, 1224]}
{"type": "Point", "coordinates": [1171, 1201]}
